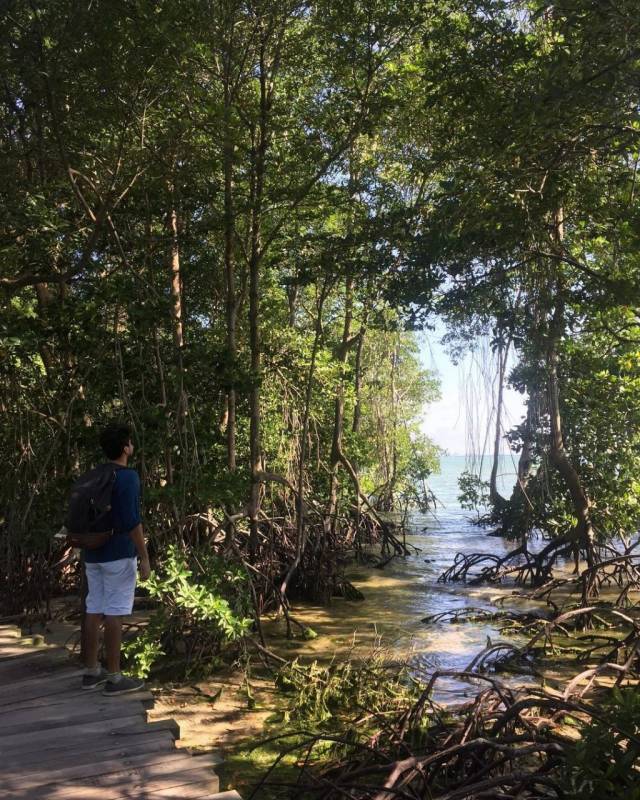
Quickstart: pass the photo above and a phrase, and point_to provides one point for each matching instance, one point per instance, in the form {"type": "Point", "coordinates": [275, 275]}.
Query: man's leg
{"type": "Point", "coordinates": [92, 624]}
{"type": "Point", "coordinates": [94, 675]}
{"type": "Point", "coordinates": [113, 642]}
{"type": "Point", "coordinates": [120, 584]}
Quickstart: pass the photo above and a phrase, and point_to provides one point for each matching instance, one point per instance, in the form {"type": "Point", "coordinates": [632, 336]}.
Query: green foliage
{"type": "Point", "coordinates": [113, 120]}
{"type": "Point", "coordinates": [395, 457]}
{"type": "Point", "coordinates": [145, 650]}
{"type": "Point", "coordinates": [474, 492]}
{"type": "Point", "coordinates": [203, 605]}
{"type": "Point", "coordinates": [601, 380]}
{"type": "Point", "coordinates": [116, 121]}
{"type": "Point", "coordinates": [328, 696]}
{"type": "Point", "coordinates": [604, 764]}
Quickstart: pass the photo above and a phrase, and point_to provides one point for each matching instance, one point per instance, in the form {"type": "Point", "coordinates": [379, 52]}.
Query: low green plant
{"type": "Point", "coordinates": [324, 695]}
{"type": "Point", "coordinates": [204, 604]}
{"type": "Point", "coordinates": [605, 763]}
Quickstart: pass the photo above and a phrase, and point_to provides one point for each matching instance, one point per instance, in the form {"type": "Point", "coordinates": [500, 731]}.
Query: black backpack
{"type": "Point", "coordinates": [88, 519]}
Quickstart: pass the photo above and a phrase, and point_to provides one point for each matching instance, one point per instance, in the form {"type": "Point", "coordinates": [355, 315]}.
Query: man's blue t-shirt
{"type": "Point", "coordinates": [125, 516]}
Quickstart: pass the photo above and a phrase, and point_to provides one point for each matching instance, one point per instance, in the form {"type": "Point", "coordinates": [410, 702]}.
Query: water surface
{"type": "Point", "coordinates": [398, 597]}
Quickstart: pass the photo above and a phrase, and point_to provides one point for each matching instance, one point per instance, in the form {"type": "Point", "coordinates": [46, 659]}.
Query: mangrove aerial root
{"type": "Point", "coordinates": [504, 743]}
{"type": "Point", "coordinates": [536, 569]}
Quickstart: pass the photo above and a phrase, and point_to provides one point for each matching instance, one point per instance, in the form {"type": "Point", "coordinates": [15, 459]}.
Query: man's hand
{"type": "Point", "coordinates": [141, 548]}
{"type": "Point", "coordinates": [145, 569]}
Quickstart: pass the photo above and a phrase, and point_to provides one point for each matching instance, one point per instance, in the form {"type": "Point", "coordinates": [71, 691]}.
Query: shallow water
{"type": "Point", "coordinates": [398, 597]}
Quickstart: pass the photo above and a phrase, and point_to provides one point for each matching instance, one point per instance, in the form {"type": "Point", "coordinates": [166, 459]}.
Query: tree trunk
{"type": "Point", "coordinates": [254, 394]}
{"type": "Point", "coordinates": [357, 409]}
{"type": "Point", "coordinates": [583, 532]}
{"type": "Point", "coordinates": [525, 461]}
{"type": "Point", "coordinates": [164, 405]}
{"type": "Point", "coordinates": [292, 298]}
{"type": "Point", "coordinates": [338, 414]}
{"type": "Point", "coordinates": [176, 283]}
{"type": "Point", "coordinates": [255, 259]}
{"type": "Point", "coordinates": [391, 487]}
{"type": "Point", "coordinates": [560, 459]}
{"type": "Point", "coordinates": [45, 298]}
{"type": "Point", "coordinates": [495, 497]}
{"type": "Point", "coordinates": [229, 267]}
{"type": "Point", "coordinates": [301, 538]}
{"type": "Point", "coordinates": [177, 325]}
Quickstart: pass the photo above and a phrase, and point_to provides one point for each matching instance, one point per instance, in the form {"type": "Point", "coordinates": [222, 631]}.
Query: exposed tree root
{"type": "Point", "coordinates": [503, 619]}
{"type": "Point", "coordinates": [318, 573]}
{"type": "Point", "coordinates": [520, 565]}
{"type": "Point", "coordinates": [537, 569]}
{"type": "Point", "coordinates": [504, 743]}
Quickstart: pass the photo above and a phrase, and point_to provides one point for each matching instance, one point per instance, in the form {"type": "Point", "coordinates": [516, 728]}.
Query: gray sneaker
{"type": "Point", "coordinates": [122, 686]}
{"type": "Point", "coordinates": [94, 681]}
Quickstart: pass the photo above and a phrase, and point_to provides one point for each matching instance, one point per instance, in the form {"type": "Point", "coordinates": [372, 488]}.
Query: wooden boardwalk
{"type": "Point", "coordinates": [62, 743]}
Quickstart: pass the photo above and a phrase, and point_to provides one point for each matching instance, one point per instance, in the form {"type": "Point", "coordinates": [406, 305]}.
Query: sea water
{"type": "Point", "coordinates": [398, 597]}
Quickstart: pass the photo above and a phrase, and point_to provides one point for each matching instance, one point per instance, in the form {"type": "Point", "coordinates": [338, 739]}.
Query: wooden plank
{"type": "Point", "coordinates": [73, 704]}
{"type": "Point", "coordinates": [29, 779]}
{"type": "Point", "coordinates": [38, 690]}
{"type": "Point", "coordinates": [74, 697]}
{"type": "Point", "coordinates": [31, 643]}
{"type": "Point", "coordinates": [64, 681]}
{"type": "Point", "coordinates": [96, 749]}
{"type": "Point", "coordinates": [91, 750]}
{"type": "Point", "coordinates": [158, 775]}
{"type": "Point", "coordinates": [60, 723]}
{"type": "Point", "coordinates": [184, 784]}
{"type": "Point", "coordinates": [34, 663]}
{"type": "Point", "coordinates": [97, 735]}
{"type": "Point", "coordinates": [31, 680]}
{"type": "Point", "coordinates": [18, 647]}
{"type": "Point", "coordinates": [188, 791]}
{"type": "Point", "coordinates": [48, 740]}
{"type": "Point", "coordinates": [62, 743]}
{"type": "Point", "coordinates": [22, 669]}
{"type": "Point", "coordinates": [38, 720]}
{"type": "Point", "coordinates": [10, 654]}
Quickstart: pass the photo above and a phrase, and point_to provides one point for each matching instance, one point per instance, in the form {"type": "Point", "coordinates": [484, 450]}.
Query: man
{"type": "Point", "coordinates": [111, 570]}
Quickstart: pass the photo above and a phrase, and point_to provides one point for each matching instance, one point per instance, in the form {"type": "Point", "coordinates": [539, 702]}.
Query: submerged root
{"type": "Point", "coordinates": [503, 620]}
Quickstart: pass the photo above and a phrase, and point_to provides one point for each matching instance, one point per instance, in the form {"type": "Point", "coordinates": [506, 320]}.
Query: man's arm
{"type": "Point", "coordinates": [141, 547]}
{"type": "Point", "coordinates": [129, 496]}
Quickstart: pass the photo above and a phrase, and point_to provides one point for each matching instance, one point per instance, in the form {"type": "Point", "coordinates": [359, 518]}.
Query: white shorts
{"type": "Point", "coordinates": [112, 586]}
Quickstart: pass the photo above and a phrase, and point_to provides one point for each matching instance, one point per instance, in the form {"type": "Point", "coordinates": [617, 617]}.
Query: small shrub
{"type": "Point", "coordinates": [345, 690]}
{"type": "Point", "coordinates": [605, 763]}
{"type": "Point", "coordinates": [203, 605]}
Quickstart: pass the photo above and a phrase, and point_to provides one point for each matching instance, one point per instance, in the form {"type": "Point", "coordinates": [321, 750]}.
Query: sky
{"type": "Point", "coordinates": [458, 422]}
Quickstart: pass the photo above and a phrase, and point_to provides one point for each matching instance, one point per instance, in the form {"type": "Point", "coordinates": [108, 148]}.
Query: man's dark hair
{"type": "Point", "coordinates": [114, 438]}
